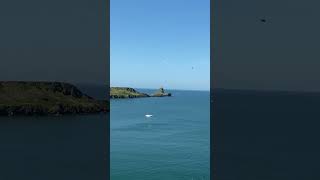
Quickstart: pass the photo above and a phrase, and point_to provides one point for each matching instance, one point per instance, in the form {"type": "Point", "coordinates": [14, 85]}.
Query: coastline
{"type": "Point", "coordinates": [128, 93]}
{"type": "Point", "coordinates": [46, 98]}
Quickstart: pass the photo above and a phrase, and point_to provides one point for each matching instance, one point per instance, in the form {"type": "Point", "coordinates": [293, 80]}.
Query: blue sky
{"type": "Point", "coordinates": [160, 43]}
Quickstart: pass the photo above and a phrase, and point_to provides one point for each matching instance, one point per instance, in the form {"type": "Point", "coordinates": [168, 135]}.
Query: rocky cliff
{"type": "Point", "coordinates": [161, 93]}
{"type": "Point", "coordinates": [126, 92]}
{"type": "Point", "coordinates": [43, 98]}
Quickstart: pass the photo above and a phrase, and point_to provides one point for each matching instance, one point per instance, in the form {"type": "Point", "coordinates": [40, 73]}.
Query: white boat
{"type": "Point", "coordinates": [148, 115]}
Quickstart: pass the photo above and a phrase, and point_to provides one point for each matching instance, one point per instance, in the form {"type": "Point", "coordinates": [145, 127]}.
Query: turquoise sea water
{"type": "Point", "coordinates": [174, 144]}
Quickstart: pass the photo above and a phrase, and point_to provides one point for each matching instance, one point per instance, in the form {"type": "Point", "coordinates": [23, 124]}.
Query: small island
{"type": "Point", "coordinates": [161, 93]}
{"type": "Point", "coordinates": [46, 98]}
{"type": "Point", "coordinates": [126, 92]}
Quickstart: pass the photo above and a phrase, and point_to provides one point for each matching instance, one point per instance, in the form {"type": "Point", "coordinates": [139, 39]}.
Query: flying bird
{"type": "Point", "coordinates": [263, 20]}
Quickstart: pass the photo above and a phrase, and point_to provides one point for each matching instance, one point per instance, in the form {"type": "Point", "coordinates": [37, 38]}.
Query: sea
{"type": "Point", "coordinates": [263, 135]}
{"type": "Point", "coordinates": [173, 144]}
{"type": "Point", "coordinates": [68, 147]}
{"type": "Point", "coordinates": [257, 135]}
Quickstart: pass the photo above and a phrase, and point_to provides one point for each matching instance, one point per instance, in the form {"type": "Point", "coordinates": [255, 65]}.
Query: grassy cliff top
{"type": "Point", "coordinates": [125, 92]}
{"type": "Point", "coordinates": [45, 97]}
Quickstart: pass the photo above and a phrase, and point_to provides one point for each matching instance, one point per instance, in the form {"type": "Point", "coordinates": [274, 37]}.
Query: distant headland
{"type": "Point", "coordinates": [46, 98]}
{"type": "Point", "coordinates": [126, 92]}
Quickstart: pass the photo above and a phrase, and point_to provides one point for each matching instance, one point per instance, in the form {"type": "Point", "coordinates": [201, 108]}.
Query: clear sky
{"type": "Point", "coordinates": [44, 40]}
{"type": "Point", "coordinates": [279, 54]}
{"type": "Point", "coordinates": [160, 43]}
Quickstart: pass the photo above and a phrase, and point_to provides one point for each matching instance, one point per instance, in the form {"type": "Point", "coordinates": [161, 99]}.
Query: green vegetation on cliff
{"type": "Point", "coordinates": [28, 98]}
{"type": "Point", "coordinates": [126, 92]}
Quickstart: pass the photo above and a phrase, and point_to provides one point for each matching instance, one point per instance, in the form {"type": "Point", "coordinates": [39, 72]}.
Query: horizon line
{"type": "Point", "coordinates": [174, 89]}
{"type": "Point", "coordinates": [164, 88]}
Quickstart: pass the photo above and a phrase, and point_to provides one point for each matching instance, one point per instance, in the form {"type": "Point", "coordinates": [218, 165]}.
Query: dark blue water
{"type": "Point", "coordinates": [258, 135]}
{"type": "Point", "coordinates": [174, 144]}
{"type": "Point", "coordinates": [64, 148]}
{"type": "Point", "coordinates": [266, 135]}
{"type": "Point", "coordinates": [55, 147]}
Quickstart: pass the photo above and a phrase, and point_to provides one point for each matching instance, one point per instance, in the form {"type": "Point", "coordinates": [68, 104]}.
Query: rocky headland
{"type": "Point", "coordinates": [161, 93]}
{"type": "Point", "coordinates": [45, 98]}
{"type": "Point", "coordinates": [126, 92]}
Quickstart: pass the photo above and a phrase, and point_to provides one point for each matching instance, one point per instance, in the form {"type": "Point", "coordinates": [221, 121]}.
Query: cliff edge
{"type": "Point", "coordinates": [43, 98]}
{"type": "Point", "coordinates": [126, 92]}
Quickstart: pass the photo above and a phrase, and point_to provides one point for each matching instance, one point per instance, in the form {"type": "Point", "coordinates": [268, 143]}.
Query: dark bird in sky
{"type": "Point", "coordinates": [263, 20]}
